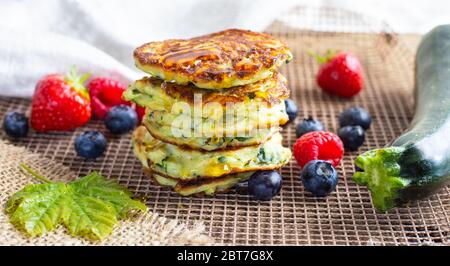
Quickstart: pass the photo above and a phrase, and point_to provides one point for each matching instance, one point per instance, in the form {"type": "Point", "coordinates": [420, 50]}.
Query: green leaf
{"type": "Point", "coordinates": [87, 207]}
{"type": "Point", "coordinates": [37, 209]}
{"type": "Point", "coordinates": [94, 185]}
{"type": "Point", "coordinates": [89, 216]}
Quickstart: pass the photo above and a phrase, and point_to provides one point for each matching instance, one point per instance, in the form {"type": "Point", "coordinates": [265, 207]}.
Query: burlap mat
{"type": "Point", "coordinates": [147, 229]}
{"type": "Point", "coordinates": [294, 217]}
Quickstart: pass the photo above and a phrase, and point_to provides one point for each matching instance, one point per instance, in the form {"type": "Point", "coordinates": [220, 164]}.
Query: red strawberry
{"type": "Point", "coordinates": [318, 145]}
{"type": "Point", "coordinates": [340, 74]}
{"type": "Point", "coordinates": [105, 93]}
{"type": "Point", "coordinates": [60, 103]}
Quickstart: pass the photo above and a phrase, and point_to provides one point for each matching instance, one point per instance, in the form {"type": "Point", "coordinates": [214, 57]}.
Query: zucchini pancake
{"type": "Point", "coordinates": [215, 61]}
{"type": "Point", "coordinates": [187, 164]}
{"type": "Point", "coordinates": [255, 111]}
{"type": "Point", "coordinates": [213, 110]}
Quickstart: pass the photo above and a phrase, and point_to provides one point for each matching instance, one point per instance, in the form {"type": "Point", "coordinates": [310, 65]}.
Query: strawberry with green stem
{"type": "Point", "coordinates": [60, 103]}
{"type": "Point", "coordinates": [340, 73]}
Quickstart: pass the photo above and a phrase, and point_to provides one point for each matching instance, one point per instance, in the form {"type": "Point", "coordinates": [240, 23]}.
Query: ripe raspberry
{"type": "Point", "coordinates": [140, 111]}
{"type": "Point", "coordinates": [105, 93]}
{"type": "Point", "coordinates": [318, 145]}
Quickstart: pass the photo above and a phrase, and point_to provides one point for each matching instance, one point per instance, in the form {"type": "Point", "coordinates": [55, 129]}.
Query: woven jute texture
{"type": "Point", "coordinates": [146, 229]}
{"type": "Point", "coordinates": [294, 217]}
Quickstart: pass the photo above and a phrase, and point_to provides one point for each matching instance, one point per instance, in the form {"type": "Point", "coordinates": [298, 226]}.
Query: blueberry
{"type": "Point", "coordinates": [121, 119]}
{"type": "Point", "coordinates": [352, 137]}
{"type": "Point", "coordinates": [242, 187]}
{"type": "Point", "coordinates": [308, 125]}
{"type": "Point", "coordinates": [15, 125]}
{"type": "Point", "coordinates": [291, 109]}
{"type": "Point", "coordinates": [319, 177]}
{"type": "Point", "coordinates": [355, 116]}
{"type": "Point", "coordinates": [264, 185]}
{"type": "Point", "coordinates": [90, 144]}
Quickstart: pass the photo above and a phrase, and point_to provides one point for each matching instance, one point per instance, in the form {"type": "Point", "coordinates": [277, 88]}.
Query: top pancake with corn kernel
{"type": "Point", "coordinates": [220, 60]}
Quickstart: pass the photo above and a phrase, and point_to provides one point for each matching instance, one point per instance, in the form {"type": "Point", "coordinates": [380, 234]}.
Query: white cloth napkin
{"type": "Point", "coordinates": [99, 36]}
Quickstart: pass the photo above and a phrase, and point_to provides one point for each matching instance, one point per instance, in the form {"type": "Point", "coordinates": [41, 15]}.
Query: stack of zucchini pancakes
{"type": "Point", "coordinates": [214, 106]}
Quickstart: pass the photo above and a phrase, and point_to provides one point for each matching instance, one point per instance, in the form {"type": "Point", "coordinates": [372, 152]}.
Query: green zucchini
{"type": "Point", "coordinates": [416, 164]}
